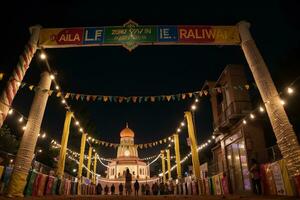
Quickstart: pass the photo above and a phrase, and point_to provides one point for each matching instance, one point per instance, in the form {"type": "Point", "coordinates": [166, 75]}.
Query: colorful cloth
{"type": "Point", "coordinates": [286, 179]}
{"type": "Point", "coordinates": [49, 185]}
{"type": "Point", "coordinates": [29, 186]}
{"type": "Point", "coordinates": [54, 187]}
{"type": "Point", "coordinates": [36, 184]}
{"type": "Point", "coordinates": [42, 184]}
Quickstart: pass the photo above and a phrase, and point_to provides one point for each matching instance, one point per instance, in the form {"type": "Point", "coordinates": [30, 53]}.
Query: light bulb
{"type": "Point", "coordinates": [193, 107]}
{"type": "Point", "coordinates": [244, 122]}
{"type": "Point", "coordinates": [24, 127]}
{"type": "Point", "coordinates": [197, 100]}
{"type": "Point", "coordinates": [81, 130]}
{"type": "Point", "coordinates": [178, 130]}
{"type": "Point", "coordinates": [182, 123]}
{"type": "Point", "coordinates": [52, 77]}
{"type": "Point", "coordinates": [261, 109]}
{"type": "Point", "coordinates": [213, 137]}
{"type": "Point", "coordinates": [77, 123]}
{"type": "Point", "coordinates": [21, 119]}
{"type": "Point", "coordinates": [57, 87]}
{"type": "Point", "coordinates": [44, 135]}
{"type": "Point", "coordinates": [282, 102]}
{"type": "Point", "coordinates": [43, 56]}
{"type": "Point", "coordinates": [252, 116]}
{"type": "Point", "coordinates": [10, 111]}
{"type": "Point", "coordinates": [290, 90]}
{"type": "Point", "coordinates": [63, 101]}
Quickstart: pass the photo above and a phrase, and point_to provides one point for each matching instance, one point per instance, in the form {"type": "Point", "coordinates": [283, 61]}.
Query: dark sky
{"type": "Point", "coordinates": [147, 70]}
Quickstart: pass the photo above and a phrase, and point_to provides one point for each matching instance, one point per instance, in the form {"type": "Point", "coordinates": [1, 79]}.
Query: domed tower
{"type": "Point", "coordinates": [127, 149]}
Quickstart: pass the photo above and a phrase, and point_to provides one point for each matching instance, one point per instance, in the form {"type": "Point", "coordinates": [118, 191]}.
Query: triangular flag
{"type": "Point", "coordinates": [247, 86]}
{"type": "Point", "coordinates": [163, 98]}
{"type": "Point", "coordinates": [67, 95]}
{"type": "Point", "coordinates": [183, 96]}
{"type": "Point", "coordinates": [72, 95]}
{"type": "Point", "coordinates": [115, 99]}
{"type": "Point", "coordinates": [121, 99]}
{"type": "Point", "coordinates": [58, 94]}
{"type": "Point", "coordinates": [105, 98]}
{"type": "Point", "coordinates": [152, 98]}
{"type": "Point", "coordinates": [145, 145]}
{"type": "Point", "coordinates": [128, 99]}
{"type": "Point", "coordinates": [82, 97]}
{"type": "Point", "coordinates": [99, 98]}
{"type": "Point", "coordinates": [50, 92]}
{"type": "Point", "coordinates": [165, 140]}
{"type": "Point", "coordinates": [110, 98]}
{"type": "Point", "coordinates": [169, 98]}
{"type": "Point", "coordinates": [190, 94]}
{"type": "Point", "coordinates": [201, 93]}
{"type": "Point", "coordinates": [140, 99]}
{"type": "Point", "coordinates": [219, 90]}
{"type": "Point", "coordinates": [178, 97]}
{"type": "Point", "coordinates": [134, 99]}
{"type": "Point", "coordinates": [173, 97]}
{"type": "Point", "coordinates": [77, 96]}
{"type": "Point", "coordinates": [94, 97]}
{"type": "Point", "coordinates": [145, 99]}
{"type": "Point", "coordinates": [150, 144]}
{"type": "Point", "coordinates": [31, 87]}
{"type": "Point", "coordinates": [205, 92]}
{"type": "Point", "coordinates": [88, 97]}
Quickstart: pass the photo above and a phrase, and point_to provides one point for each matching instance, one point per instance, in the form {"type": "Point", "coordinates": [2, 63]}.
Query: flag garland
{"type": "Point", "coordinates": [137, 99]}
{"type": "Point", "coordinates": [140, 146]}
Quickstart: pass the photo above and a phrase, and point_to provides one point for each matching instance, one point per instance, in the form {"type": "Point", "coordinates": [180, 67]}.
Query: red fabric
{"type": "Point", "coordinates": [49, 185]}
{"type": "Point", "coordinates": [42, 184]}
{"type": "Point", "coordinates": [36, 184]}
{"type": "Point", "coordinates": [297, 183]}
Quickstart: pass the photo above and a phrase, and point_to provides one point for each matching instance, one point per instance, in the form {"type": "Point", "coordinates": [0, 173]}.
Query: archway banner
{"type": "Point", "coordinates": [130, 35]}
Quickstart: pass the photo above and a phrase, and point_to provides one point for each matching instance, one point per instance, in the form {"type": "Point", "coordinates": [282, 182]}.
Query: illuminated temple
{"type": "Point", "coordinates": [127, 157]}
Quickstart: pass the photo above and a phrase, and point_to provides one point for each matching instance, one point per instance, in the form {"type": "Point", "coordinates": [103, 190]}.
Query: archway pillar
{"type": "Point", "coordinates": [14, 82]}
{"type": "Point", "coordinates": [283, 130]}
{"type": "Point", "coordinates": [25, 153]}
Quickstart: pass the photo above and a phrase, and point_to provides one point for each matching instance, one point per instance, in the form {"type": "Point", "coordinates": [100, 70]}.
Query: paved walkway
{"type": "Point", "coordinates": [169, 197]}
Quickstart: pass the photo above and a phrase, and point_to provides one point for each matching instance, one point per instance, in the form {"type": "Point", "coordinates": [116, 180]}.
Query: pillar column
{"type": "Point", "coordinates": [81, 159]}
{"type": "Point", "coordinates": [169, 164]}
{"type": "Point", "coordinates": [64, 144]}
{"type": "Point", "coordinates": [177, 155]}
{"type": "Point", "coordinates": [95, 168]}
{"type": "Point", "coordinates": [194, 146]}
{"type": "Point", "coordinates": [26, 150]}
{"type": "Point", "coordinates": [89, 162]}
{"type": "Point", "coordinates": [12, 87]}
{"type": "Point", "coordinates": [162, 153]}
{"type": "Point", "coordinates": [283, 130]}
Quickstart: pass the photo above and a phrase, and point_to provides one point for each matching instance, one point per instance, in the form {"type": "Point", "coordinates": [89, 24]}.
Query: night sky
{"type": "Point", "coordinates": [147, 70]}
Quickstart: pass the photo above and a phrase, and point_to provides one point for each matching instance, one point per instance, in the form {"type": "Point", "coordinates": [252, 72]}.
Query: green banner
{"type": "Point", "coordinates": [130, 35]}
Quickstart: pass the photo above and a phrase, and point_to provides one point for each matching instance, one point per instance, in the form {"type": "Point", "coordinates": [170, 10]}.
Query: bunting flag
{"type": "Point", "coordinates": [139, 99]}
{"type": "Point", "coordinates": [140, 146]}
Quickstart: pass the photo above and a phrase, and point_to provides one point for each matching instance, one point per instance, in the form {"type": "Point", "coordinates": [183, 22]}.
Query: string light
{"type": "Point", "coordinates": [77, 123]}
{"type": "Point", "coordinates": [43, 56]}
{"type": "Point", "coordinates": [81, 130]}
{"type": "Point", "coordinates": [193, 107]}
{"type": "Point", "coordinates": [21, 119]}
{"type": "Point", "coordinates": [261, 109]}
{"type": "Point", "coordinates": [63, 101]}
{"type": "Point", "coordinates": [40, 150]}
{"type": "Point", "coordinates": [44, 135]}
{"type": "Point", "coordinates": [24, 128]}
{"type": "Point", "coordinates": [178, 130]}
{"type": "Point", "coordinates": [74, 170]}
{"type": "Point", "coordinates": [52, 77]}
{"type": "Point", "coordinates": [252, 116]}
{"type": "Point", "coordinates": [196, 100]}
{"type": "Point", "coordinates": [244, 121]}
{"type": "Point", "coordinates": [290, 90]}
{"type": "Point", "coordinates": [282, 102]}
{"type": "Point", "coordinates": [57, 87]}
{"type": "Point", "coordinates": [213, 137]}
{"type": "Point", "coordinates": [182, 124]}
{"type": "Point", "coordinates": [10, 112]}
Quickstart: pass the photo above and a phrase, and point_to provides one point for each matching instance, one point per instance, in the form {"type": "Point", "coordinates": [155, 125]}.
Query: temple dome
{"type": "Point", "coordinates": [126, 132]}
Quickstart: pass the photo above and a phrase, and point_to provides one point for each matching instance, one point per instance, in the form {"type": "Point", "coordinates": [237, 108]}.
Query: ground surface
{"type": "Point", "coordinates": [103, 197]}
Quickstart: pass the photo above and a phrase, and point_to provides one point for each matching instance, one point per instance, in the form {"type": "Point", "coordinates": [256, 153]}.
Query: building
{"type": "Point", "coordinates": [238, 141]}
{"type": "Point", "coordinates": [127, 158]}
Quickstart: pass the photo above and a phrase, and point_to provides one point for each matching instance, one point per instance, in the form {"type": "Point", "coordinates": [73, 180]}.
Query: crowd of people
{"type": "Point", "coordinates": [156, 189]}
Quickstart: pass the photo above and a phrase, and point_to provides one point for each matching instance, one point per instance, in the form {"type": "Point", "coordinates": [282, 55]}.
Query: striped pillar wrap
{"type": "Point", "coordinates": [11, 89]}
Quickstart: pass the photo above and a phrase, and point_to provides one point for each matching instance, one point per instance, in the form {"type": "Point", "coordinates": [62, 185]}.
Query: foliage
{"type": "Point", "coordinates": [8, 141]}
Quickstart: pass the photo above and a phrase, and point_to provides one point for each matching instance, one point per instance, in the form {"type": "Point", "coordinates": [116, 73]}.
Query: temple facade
{"type": "Point", "coordinates": [127, 158]}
